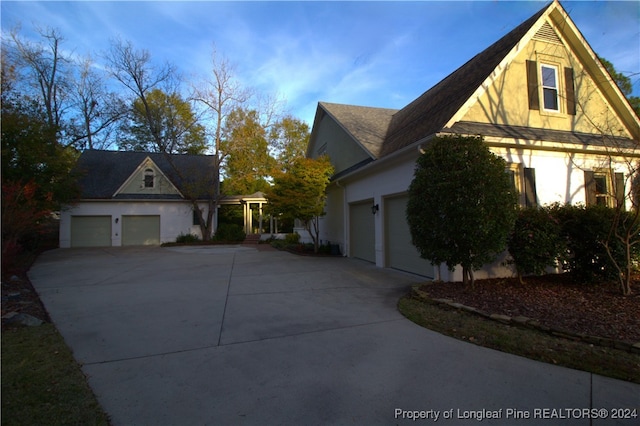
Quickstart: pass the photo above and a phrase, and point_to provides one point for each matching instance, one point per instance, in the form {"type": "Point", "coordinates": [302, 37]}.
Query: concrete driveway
{"type": "Point", "coordinates": [232, 335]}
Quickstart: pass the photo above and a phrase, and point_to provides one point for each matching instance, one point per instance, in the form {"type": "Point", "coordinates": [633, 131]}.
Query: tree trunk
{"type": "Point", "coordinates": [468, 278]}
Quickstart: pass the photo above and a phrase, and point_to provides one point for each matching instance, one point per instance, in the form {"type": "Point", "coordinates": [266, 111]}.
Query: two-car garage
{"type": "Point", "coordinates": [399, 252]}
{"type": "Point", "coordinates": [99, 231]}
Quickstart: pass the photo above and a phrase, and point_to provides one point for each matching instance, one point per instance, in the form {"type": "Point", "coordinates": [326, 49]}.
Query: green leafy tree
{"type": "Point", "coordinates": [247, 160]}
{"type": "Point", "coordinates": [166, 124]}
{"type": "Point", "coordinates": [300, 193]}
{"type": "Point", "coordinates": [36, 178]}
{"type": "Point", "coordinates": [624, 84]}
{"type": "Point", "coordinates": [461, 205]}
{"type": "Point", "coordinates": [289, 137]}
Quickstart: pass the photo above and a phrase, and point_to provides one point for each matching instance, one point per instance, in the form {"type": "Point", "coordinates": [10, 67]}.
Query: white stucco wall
{"type": "Point", "coordinates": [559, 179]}
{"type": "Point", "coordinates": [176, 217]}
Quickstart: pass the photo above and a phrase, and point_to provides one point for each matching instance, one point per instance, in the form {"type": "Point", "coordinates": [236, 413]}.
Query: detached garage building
{"type": "Point", "coordinates": [136, 198]}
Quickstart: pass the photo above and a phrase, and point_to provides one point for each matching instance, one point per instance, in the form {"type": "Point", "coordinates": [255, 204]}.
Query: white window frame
{"type": "Point", "coordinates": [607, 197]}
{"type": "Point", "coordinates": [547, 88]}
{"type": "Point", "coordinates": [148, 173]}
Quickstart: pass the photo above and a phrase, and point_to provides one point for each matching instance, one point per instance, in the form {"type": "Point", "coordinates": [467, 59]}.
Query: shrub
{"type": "Point", "coordinates": [293, 238]}
{"type": "Point", "coordinates": [187, 239]}
{"type": "Point", "coordinates": [230, 232]}
{"type": "Point", "coordinates": [585, 229]}
{"type": "Point", "coordinates": [279, 244]}
{"type": "Point", "coordinates": [535, 242]}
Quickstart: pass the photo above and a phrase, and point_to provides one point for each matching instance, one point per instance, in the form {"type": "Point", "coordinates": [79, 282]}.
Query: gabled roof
{"type": "Point", "coordinates": [431, 111]}
{"type": "Point", "coordinates": [366, 125]}
{"type": "Point", "coordinates": [440, 109]}
{"type": "Point", "coordinates": [102, 173]}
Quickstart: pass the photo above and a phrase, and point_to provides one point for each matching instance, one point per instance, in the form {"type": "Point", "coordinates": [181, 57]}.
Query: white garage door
{"type": "Point", "coordinates": [140, 230]}
{"type": "Point", "coordinates": [400, 253]}
{"type": "Point", "coordinates": [361, 231]}
{"type": "Point", "coordinates": [90, 231]}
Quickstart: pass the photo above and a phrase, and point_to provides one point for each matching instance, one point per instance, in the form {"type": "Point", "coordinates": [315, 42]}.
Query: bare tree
{"type": "Point", "coordinates": [134, 69]}
{"type": "Point", "coordinates": [220, 94]}
{"type": "Point", "coordinates": [97, 109]}
{"type": "Point", "coordinates": [48, 68]}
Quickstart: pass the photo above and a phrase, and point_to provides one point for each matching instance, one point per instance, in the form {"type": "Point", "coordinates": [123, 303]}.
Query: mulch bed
{"type": "Point", "coordinates": [19, 296]}
{"type": "Point", "coordinates": [555, 301]}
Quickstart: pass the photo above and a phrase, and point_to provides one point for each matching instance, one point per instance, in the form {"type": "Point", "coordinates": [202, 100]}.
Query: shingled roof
{"type": "Point", "coordinates": [102, 173]}
{"type": "Point", "coordinates": [430, 112]}
{"type": "Point", "coordinates": [367, 125]}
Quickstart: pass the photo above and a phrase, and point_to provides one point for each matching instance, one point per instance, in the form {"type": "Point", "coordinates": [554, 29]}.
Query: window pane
{"type": "Point", "coordinates": [550, 99]}
{"type": "Point", "coordinates": [601, 185]}
{"type": "Point", "coordinates": [549, 77]}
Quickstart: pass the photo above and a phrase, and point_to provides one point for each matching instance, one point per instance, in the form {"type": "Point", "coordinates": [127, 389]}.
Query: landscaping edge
{"type": "Point", "coordinates": [521, 321]}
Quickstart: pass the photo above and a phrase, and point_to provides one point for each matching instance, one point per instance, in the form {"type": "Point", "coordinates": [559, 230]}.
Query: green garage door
{"type": "Point", "coordinates": [90, 231]}
{"type": "Point", "coordinates": [362, 231]}
{"type": "Point", "coordinates": [400, 253]}
{"type": "Point", "coordinates": [140, 230]}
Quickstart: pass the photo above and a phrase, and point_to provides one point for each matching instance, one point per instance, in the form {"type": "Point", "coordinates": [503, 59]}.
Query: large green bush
{"type": "Point", "coordinates": [536, 242]}
{"type": "Point", "coordinates": [462, 204]}
{"type": "Point", "coordinates": [574, 236]}
{"type": "Point", "coordinates": [585, 230]}
{"type": "Point", "coordinates": [230, 232]}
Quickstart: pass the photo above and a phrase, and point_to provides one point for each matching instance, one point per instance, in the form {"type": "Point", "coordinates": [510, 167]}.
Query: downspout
{"type": "Point", "coordinates": [344, 218]}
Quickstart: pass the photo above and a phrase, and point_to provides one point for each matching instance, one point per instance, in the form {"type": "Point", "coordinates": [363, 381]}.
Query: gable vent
{"type": "Point", "coordinates": [548, 34]}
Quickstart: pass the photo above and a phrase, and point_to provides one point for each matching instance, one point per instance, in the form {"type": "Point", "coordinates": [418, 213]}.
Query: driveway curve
{"type": "Point", "coordinates": [232, 335]}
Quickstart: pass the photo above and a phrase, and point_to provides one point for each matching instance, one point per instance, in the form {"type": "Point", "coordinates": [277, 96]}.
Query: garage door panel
{"type": "Point", "coordinates": [400, 252]}
{"type": "Point", "coordinates": [140, 230]}
{"type": "Point", "coordinates": [362, 231]}
{"type": "Point", "coordinates": [90, 231]}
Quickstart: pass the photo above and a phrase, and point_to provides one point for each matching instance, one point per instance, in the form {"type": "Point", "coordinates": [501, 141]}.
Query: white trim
{"type": "Point", "coordinates": [508, 59]}
{"type": "Point", "coordinates": [146, 163]}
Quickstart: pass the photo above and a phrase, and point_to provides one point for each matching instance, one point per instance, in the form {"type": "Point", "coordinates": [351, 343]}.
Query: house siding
{"type": "Point", "coordinates": [338, 145]}
{"type": "Point", "coordinates": [175, 218]}
{"type": "Point", "coordinates": [161, 185]}
{"type": "Point", "coordinates": [506, 100]}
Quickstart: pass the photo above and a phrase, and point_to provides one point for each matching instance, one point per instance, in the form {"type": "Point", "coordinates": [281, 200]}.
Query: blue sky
{"type": "Point", "coordinates": [382, 54]}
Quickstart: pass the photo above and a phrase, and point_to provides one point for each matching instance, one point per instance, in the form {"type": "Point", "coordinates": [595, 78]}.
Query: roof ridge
{"type": "Point", "coordinates": [442, 101]}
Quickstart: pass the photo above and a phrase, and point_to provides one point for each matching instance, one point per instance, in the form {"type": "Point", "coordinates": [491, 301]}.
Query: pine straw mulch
{"type": "Point", "coordinates": [555, 301]}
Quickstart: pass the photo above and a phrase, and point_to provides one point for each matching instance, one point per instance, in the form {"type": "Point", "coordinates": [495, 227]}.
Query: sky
{"type": "Point", "coordinates": [380, 54]}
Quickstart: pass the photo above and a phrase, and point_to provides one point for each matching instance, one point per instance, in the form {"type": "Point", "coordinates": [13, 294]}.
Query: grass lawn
{"type": "Point", "coordinates": [525, 342]}
{"type": "Point", "coordinates": [42, 383]}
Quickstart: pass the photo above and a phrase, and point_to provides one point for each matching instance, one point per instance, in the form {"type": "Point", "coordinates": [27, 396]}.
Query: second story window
{"type": "Point", "coordinates": [148, 178]}
{"type": "Point", "coordinates": [549, 75]}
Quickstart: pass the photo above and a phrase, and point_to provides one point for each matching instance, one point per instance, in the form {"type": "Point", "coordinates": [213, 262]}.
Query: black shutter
{"type": "Point", "coordinates": [570, 91]}
{"type": "Point", "coordinates": [532, 85]}
{"type": "Point", "coordinates": [530, 193]}
{"type": "Point", "coordinates": [590, 188]}
{"type": "Point", "coordinates": [619, 180]}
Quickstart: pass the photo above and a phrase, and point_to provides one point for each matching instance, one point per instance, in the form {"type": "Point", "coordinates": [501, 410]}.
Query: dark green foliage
{"type": "Point", "coordinates": [585, 230]}
{"type": "Point", "coordinates": [293, 238]}
{"type": "Point", "coordinates": [230, 232]}
{"type": "Point", "coordinates": [187, 239]}
{"type": "Point", "coordinates": [535, 242]}
{"type": "Point", "coordinates": [462, 205]}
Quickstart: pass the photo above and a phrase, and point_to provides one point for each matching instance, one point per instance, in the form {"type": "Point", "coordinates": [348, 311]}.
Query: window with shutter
{"type": "Point", "coordinates": [532, 85]}
{"type": "Point", "coordinates": [599, 188]}
{"type": "Point", "coordinates": [549, 74]}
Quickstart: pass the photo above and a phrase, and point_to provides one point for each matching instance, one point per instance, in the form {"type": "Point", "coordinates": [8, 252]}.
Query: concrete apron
{"type": "Point", "coordinates": [231, 335]}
